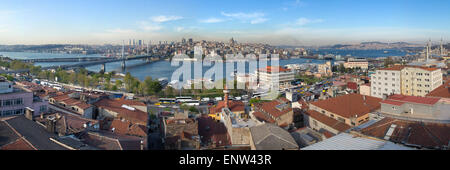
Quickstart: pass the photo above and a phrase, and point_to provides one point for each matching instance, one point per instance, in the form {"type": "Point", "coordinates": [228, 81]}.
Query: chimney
{"type": "Point", "coordinates": [29, 113]}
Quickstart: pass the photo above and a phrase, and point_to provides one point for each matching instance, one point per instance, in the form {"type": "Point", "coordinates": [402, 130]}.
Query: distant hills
{"type": "Point", "coordinates": [375, 45]}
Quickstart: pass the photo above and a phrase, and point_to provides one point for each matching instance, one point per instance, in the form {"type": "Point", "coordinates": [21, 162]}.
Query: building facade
{"type": "Point", "coordinates": [357, 63]}
{"type": "Point", "coordinates": [14, 101]}
{"type": "Point", "coordinates": [386, 82]}
{"type": "Point", "coordinates": [419, 81]}
{"type": "Point", "coordinates": [272, 76]}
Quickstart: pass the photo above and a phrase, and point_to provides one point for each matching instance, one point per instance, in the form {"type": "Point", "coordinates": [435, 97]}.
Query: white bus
{"type": "Point", "coordinates": [183, 99]}
{"type": "Point", "coordinates": [192, 102]}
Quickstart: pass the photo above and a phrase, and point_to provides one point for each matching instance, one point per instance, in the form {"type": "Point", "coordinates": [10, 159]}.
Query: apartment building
{"type": "Point", "coordinates": [357, 63]}
{"type": "Point", "coordinates": [14, 101]}
{"type": "Point", "coordinates": [386, 81]}
{"type": "Point", "coordinates": [271, 76]}
{"type": "Point", "coordinates": [325, 69]}
{"type": "Point", "coordinates": [419, 81]}
{"type": "Point", "coordinates": [405, 80]}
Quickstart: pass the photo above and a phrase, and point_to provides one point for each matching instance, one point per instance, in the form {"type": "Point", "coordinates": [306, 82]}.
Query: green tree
{"type": "Point", "coordinates": [388, 62]}
{"type": "Point", "coordinates": [119, 84]}
{"type": "Point", "coordinates": [128, 80]}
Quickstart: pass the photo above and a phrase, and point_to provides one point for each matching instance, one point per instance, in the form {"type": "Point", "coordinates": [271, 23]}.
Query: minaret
{"type": "Point", "coordinates": [441, 50]}
{"type": "Point", "coordinates": [226, 92]}
{"type": "Point", "coordinates": [428, 50]}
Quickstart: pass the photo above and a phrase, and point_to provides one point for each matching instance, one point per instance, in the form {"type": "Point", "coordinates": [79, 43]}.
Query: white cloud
{"type": "Point", "coordinates": [162, 18]}
{"type": "Point", "coordinates": [149, 26]}
{"type": "Point", "coordinates": [258, 20]}
{"type": "Point", "coordinates": [212, 20]}
{"type": "Point", "coordinates": [252, 18]}
{"type": "Point", "coordinates": [305, 21]}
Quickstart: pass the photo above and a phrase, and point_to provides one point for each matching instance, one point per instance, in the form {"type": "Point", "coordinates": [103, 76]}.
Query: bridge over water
{"type": "Point", "coordinates": [90, 61]}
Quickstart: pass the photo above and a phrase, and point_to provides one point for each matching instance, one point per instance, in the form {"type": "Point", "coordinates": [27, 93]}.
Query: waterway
{"type": "Point", "coordinates": [163, 69]}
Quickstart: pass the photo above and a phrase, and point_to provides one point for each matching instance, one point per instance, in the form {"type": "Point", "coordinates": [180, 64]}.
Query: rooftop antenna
{"type": "Point", "coordinates": [428, 49]}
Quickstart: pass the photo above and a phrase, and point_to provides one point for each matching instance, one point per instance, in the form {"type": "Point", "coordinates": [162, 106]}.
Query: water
{"type": "Point", "coordinates": [362, 53]}
{"type": "Point", "coordinates": [163, 69]}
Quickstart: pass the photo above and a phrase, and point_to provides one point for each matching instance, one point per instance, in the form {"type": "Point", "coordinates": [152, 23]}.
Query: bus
{"type": "Point", "coordinates": [192, 102]}
{"type": "Point", "coordinates": [183, 99]}
{"type": "Point", "coordinates": [167, 101]}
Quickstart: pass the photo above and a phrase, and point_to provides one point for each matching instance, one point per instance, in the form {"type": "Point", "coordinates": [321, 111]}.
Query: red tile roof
{"type": "Point", "coordinates": [270, 107]}
{"type": "Point", "coordinates": [135, 116]}
{"type": "Point", "coordinates": [332, 123]}
{"type": "Point", "coordinates": [19, 144]}
{"type": "Point", "coordinates": [391, 102]}
{"type": "Point", "coordinates": [350, 105]}
{"type": "Point", "coordinates": [213, 131]}
{"type": "Point", "coordinates": [442, 91]}
{"type": "Point", "coordinates": [394, 68]}
{"type": "Point", "coordinates": [414, 99]}
{"type": "Point", "coordinates": [429, 135]}
{"type": "Point", "coordinates": [270, 69]}
{"type": "Point", "coordinates": [263, 117]}
{"type": "Point", "coordinates": [234, 106]}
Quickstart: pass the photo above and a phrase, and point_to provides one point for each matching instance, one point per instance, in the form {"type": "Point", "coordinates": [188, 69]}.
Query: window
{"type": "Point", "coordinates": [315, 123]}
{"type": "Point", "coordinates": [341, 119]}
{"type": "Point", "coordinates": [393, 74]}
{"type": "Point", "coordinates": [18, 102]}
{"type": "Point", "coordinates": [7, 103]}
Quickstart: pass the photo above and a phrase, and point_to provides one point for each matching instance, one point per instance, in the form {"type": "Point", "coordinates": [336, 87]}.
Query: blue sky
{"type": "Point", "coordinates": [278, 22]}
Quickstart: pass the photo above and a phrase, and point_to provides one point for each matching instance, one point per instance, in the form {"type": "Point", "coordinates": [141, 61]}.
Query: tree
{"type": "Point", "coordinates": [128, 80]}
{"type": "Point", "coordinates": [388, 62]}
{"type": "Point", "coordinates": [119, 84]}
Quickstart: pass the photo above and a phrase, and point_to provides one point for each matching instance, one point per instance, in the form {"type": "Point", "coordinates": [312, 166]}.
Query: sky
{"type": "Point", "coordinates": [276, 22]}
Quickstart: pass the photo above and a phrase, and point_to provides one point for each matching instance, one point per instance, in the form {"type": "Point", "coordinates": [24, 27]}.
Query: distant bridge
{"type": "Point", "coordinates": [95, 61]}
{"type": "Point", "coordinates": [77, 59]}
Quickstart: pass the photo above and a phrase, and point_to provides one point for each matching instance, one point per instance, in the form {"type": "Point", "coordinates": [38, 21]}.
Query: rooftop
{"type": "Point", "coordinates": [34, 133]}
{"type": "Point", "coordinates": [442, 91]}
{"type": "Point", "coordinates": [271, 137]}
{"type": "Point", "coordinates": [234, 106]}
{"type": "Point", "coordinates": [275, 108]}
{"type": "Point", "coordinates": [399, 99]}
{"type": "Point", "coordinates": [346, 141]}
{"type": "Point", "coordinates": [330, 122]}
{"type": "Point", "coordinates": [270, 69]}
{"type": "Point", "coordinates": [135, 116]}
{"type": "Point", "coordinates": [410, 133]}
{"type": "Point", "coordinates": [350, 105]}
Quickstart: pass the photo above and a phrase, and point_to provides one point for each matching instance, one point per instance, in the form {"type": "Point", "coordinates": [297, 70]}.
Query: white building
{"type": "Point", "coordinates": [386, 81]}
{"type": "Point", "coordinates": [5, 86]}
{"type": "Point", "coordinates": [270, 76]}
{"type": "Point", "coordinates": [357, 63]}
{"type": "Point", "coordinates": [405, 80]}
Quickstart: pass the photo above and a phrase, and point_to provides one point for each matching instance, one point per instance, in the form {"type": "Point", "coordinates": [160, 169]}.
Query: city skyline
{"type": "Point", "coordinates": [290, 22]}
